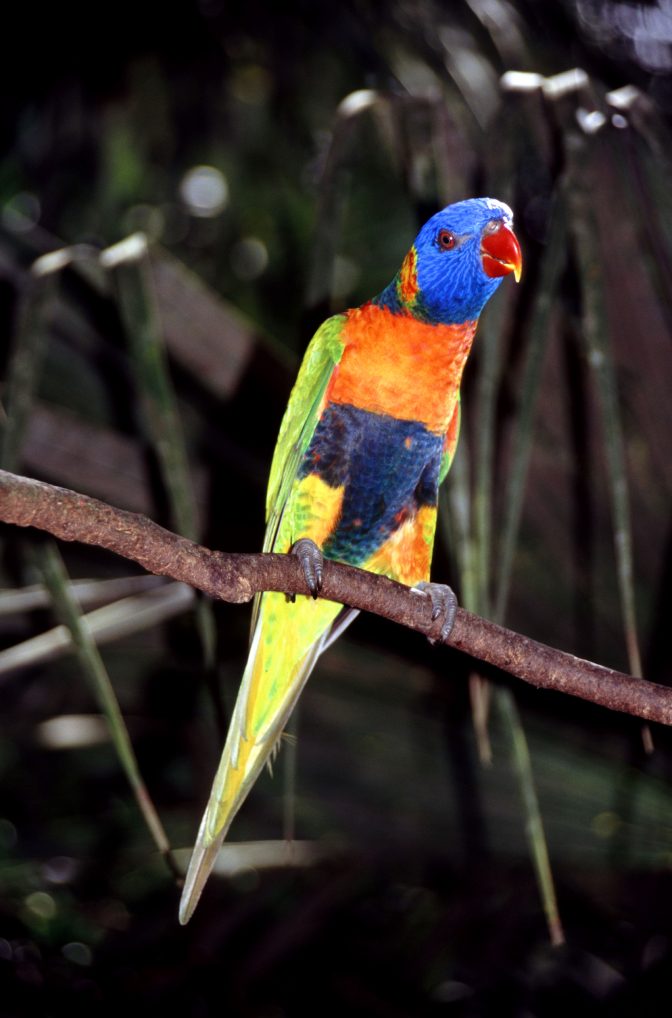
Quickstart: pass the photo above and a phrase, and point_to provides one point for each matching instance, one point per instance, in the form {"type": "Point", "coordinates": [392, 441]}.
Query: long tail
{"type": "Point", "coordinates": [287, 641]}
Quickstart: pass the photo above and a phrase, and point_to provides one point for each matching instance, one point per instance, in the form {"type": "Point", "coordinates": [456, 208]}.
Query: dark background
{"type": "Point", "coordinates": [417, 892]}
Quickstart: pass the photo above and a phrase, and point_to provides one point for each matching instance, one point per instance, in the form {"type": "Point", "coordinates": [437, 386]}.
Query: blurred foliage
{"type": "Point", "coordinates": [278, 159]}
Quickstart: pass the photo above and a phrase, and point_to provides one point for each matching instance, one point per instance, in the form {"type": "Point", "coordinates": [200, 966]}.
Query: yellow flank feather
{"type": "Point", "coordinates": [316, 508]}
{"type": "Point", "coordinates": [407, 554]}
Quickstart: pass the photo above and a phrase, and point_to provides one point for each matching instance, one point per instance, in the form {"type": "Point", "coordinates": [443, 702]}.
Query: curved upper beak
{"type": "Point", "coordinates": [501, 254]}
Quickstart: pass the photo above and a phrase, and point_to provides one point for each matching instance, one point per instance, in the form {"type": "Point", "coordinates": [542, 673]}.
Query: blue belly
{"type": "Point", "coordinates": [388, 468]}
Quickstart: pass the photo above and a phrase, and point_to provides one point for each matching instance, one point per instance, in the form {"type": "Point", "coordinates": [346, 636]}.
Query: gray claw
{"type": "Point", "coordinates": [444, 603]}
{"type": "Point", "coordinates": [311, 559]}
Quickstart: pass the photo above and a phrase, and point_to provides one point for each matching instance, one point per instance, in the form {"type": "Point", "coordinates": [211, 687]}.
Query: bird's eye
{"type": "Point", "coordinates": [446, 240]}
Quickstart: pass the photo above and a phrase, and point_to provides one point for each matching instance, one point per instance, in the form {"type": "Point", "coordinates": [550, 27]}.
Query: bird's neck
{"type": "Point", "coordinates": [402, 296]}
{"type": "Point", "coordinates": [396, 364]}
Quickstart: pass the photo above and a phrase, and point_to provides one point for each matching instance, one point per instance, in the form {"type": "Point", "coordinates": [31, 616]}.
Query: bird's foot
{"type": "Point", "coordinates": [444, 605]}
{"type": "Point", "coordinates": [311, 559]}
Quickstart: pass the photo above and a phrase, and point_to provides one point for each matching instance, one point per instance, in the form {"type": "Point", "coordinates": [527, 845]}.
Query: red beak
{"type": "Point", "coordinates": [501, 254]}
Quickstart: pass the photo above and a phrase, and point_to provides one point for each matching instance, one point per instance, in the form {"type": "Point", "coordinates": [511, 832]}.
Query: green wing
{"type": "Point", "coordinates": [301, 416]}
{"type": "Point", "coordinates": [450, 443]}
{"type": "Point", "coordinates": [323, 354]}
{"type": "Point", "coordinates": [286, 639]}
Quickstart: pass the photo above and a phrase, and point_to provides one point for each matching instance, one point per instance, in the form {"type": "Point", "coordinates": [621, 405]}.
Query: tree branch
{"type": "Point", "coordinates": [236, 578]}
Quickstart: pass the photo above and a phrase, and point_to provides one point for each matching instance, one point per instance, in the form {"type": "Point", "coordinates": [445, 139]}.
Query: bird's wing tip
{"type": "Point", "coordinates": [200, 866]}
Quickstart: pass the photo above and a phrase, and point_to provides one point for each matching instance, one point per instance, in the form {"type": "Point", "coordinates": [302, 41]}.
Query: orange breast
{"type": "Point", "coordinates": [396, 365]}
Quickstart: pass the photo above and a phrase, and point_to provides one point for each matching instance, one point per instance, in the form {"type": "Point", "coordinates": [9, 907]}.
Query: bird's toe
{"type": "Point", "coordinates": [444, 605]}
{"type": "Point", "coordinates": [311, 559]}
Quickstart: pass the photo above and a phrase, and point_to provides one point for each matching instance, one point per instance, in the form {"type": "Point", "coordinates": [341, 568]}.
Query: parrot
{"type": "Point", "coordinates": [367, 438]}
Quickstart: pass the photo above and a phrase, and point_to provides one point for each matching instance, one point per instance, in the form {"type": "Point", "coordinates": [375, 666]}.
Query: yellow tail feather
{"type": "Point", "coordinates": [287, 641]}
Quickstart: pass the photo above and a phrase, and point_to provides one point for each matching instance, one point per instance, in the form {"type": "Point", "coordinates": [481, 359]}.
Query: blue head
{"type": "Point", "coordinates": [456, 263]}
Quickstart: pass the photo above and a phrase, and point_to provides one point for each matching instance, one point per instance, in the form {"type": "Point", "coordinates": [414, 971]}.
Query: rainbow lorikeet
{"type": "Point", "coordinates": [367, 438]}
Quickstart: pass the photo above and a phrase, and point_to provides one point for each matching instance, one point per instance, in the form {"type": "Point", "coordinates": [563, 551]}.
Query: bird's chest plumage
{"type": "Point", "coordinates": [379, 439]}
{"type": "Point", "coordinates": [394, 364]}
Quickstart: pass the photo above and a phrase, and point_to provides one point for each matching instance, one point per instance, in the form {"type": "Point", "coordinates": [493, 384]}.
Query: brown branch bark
{"type": "Point", "coordinates": [236, 578]}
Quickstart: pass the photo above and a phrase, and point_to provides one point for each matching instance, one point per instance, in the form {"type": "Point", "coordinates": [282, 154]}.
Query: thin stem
{"type": "Point", "coordinates": [57, 582]}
